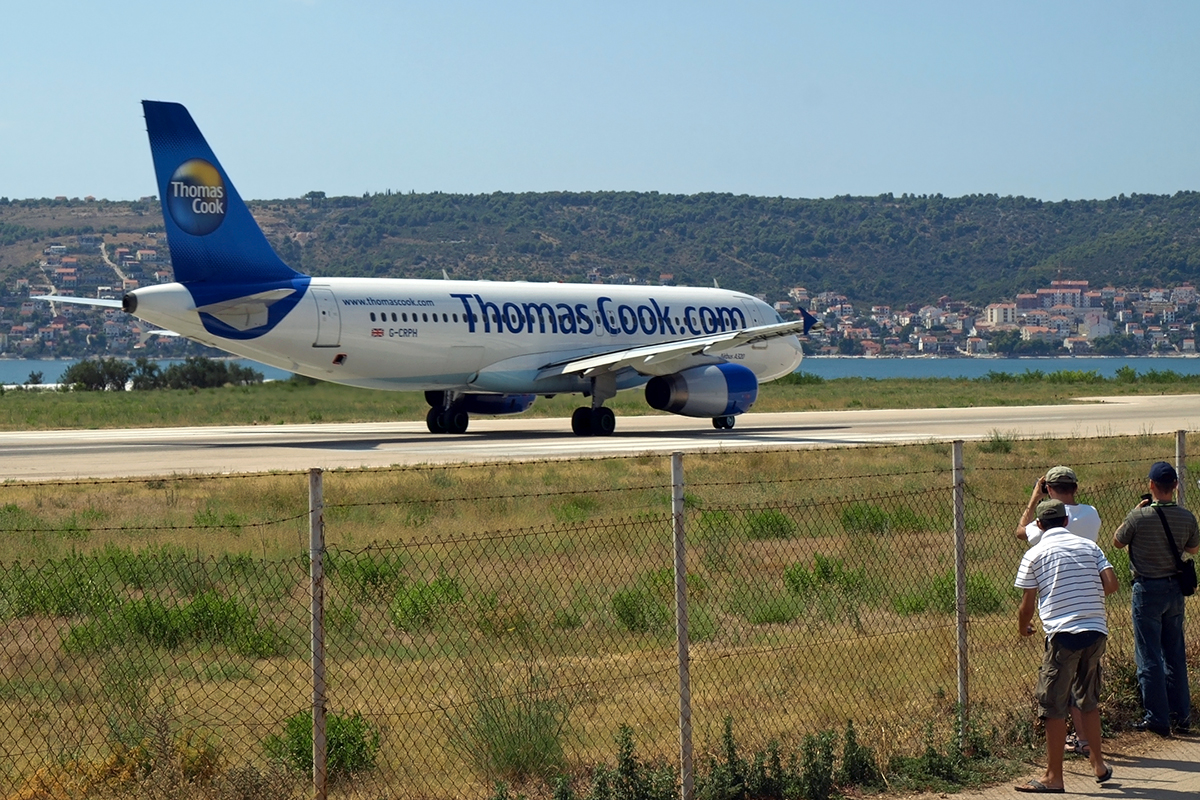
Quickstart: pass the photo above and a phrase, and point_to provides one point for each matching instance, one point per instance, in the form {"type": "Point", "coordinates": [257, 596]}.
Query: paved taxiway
{"type": "Point", "coordinates": [48, 455]}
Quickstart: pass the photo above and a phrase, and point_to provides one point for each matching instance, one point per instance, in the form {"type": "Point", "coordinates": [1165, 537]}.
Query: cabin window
{"type": "Point", "coordinates": [372, 316]}
{"type": "Point", "coordinates": [454, 317]}
{"type": "Point", "coordinates": [393, 316]}
{"type": "Point", "coordinates": [445, 318]}
{"type": "Point", "coordinates": [425, 318]}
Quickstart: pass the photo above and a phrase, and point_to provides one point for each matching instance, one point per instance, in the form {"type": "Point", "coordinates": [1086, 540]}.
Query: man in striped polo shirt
{"type": "Point", "coordinates": [1066, 577]}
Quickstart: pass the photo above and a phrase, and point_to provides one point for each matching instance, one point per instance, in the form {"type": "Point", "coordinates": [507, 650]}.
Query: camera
{"type": "Point", "coordinates": [1147, 496]}
{"type": "Point", "coordinates": [1043, 487]}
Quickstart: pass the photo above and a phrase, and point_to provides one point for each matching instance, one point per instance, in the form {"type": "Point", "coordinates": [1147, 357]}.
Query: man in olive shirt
{"type": "Point", "coordinates": [1158, 602]}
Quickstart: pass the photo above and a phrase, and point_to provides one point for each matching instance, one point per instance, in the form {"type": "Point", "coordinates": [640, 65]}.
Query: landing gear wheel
{"type": "Point", "coordinates": [433, 421]}
{"type": "Point", "coordinates": [455, 421]}
{"type": "Point", "coordinates": [724, 423]}
{"type": "Point", "coordinates": [581, 421]}
{"type": "Point", "coordinates": [604, 421]}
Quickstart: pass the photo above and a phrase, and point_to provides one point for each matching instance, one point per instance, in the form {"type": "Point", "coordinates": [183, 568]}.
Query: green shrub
{"type": "Point", "coordinates": [865, 518]}
{"type": "Point", "coordinates": [208, 618]}
{"type": "Point", "coordinates": [417, 607]}
{"type": "Point", "coordinates": [634, 609]}
{"type": "Point", "coordinates": [825, 572]}
{"type": "Point", "coordinates": [774, 610]}
{"type": "Point", "coordinates": [351, 744]}
{"type": "Point", "coordinates": [768, 524]}
{"type": "Point", "coordinates": [369, 574]}
{"type": "Point", "coordinates": [66, 588]}
{"type": "Point", "coordinates": [983, 596]}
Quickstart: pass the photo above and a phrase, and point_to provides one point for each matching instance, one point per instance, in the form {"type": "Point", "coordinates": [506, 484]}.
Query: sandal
{"type": "Point", "coordinates": [1073, 746]}
{"type": "Point", "coordinates": [1037, 787]}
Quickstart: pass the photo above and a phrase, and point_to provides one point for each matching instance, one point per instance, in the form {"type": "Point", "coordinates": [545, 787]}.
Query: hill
{"type": "Point", "coordinates": [894, 250]}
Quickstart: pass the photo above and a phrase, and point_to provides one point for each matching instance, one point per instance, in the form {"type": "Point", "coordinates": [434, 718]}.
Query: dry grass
{"type": "Point", "coordinates": [538, 552]}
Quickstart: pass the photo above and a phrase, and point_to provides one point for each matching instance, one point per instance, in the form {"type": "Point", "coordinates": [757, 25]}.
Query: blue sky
{"type": "Point", "coordinates": [1044, 99]}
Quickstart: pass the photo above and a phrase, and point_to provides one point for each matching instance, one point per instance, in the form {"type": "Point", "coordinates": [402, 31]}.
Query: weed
{"type": "Point", "coordinates": [997, 443]}
{"type": "Point", "coordinates": [816, 774]}
{"type": "Point", "coordinates": [510, 728]}
{"type": "Point", "coordinates": [858, 767]}
{"type": "Point", "coordinates": [576, 509]}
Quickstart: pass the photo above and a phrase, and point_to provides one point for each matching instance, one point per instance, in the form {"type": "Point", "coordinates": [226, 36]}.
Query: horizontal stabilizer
{"type": "Point", "coordinates": [83, 301]}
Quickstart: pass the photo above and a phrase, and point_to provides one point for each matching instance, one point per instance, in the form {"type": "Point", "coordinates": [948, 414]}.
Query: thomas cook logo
{"type": "Point", "coordinates": [196, 197]}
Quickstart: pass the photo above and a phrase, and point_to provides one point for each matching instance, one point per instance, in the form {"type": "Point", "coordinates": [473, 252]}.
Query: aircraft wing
{"type": "Point", "coordinates": [83, 301]}
{"type": "Point", "coordinates": [645, 359]}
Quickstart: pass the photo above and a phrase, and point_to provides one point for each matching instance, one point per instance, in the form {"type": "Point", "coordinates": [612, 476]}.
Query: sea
{"type": "Point", "coordinates": [16, 371]}
{"type": "Point", "coordinates": [830, 367]}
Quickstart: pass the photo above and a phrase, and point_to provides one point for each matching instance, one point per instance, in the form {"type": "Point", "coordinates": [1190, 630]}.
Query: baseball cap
{"type": "Point", "coordinates": [1163, 474]}
{"type": "Point", "coordinates": [1048, 510]}
{"type": "Point", "coordinates": [1057, 475]}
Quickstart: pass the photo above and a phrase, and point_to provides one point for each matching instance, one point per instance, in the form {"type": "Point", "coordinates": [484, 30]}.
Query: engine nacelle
{"type": "Point", "coordinates": [496, 403]}
{"type": "Point", "coordinates": [717, 390]}
{"type": "Point", "coordinates": [493, 404]}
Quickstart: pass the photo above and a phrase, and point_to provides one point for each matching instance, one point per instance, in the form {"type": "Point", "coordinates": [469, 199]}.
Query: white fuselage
{"type": "Point", "coordinates": [480, 336]}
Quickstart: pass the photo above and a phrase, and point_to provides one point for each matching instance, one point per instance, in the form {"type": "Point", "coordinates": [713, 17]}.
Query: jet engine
{"type": "Point", "coordinates": [716, 390]}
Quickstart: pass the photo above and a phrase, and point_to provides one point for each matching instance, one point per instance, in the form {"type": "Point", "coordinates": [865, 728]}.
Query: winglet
{"type": "Point", "coordinates": [810, 321]}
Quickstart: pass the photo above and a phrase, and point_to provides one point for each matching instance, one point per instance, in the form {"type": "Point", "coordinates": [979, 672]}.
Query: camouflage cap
{"type": "Point", "coordinates": [1051, 511]}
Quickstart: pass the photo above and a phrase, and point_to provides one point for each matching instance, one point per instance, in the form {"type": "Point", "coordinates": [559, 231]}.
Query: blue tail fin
{"type": "Point", "coordinates": [212, 236]}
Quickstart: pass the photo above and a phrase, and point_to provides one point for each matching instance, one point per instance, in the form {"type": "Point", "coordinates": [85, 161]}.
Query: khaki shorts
{"type": "Point", "coordinates": [1069, 673]}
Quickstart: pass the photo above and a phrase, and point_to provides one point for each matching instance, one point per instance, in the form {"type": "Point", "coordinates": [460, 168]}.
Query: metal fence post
{"type": "Point", "coordinates": [686, 778]}
{"type": "Point", "coordinates": [960, 580]}
{"type": "Point", "coordinates": [1181, 466]}
{"type": "Point", "coordinates": [316, 561]}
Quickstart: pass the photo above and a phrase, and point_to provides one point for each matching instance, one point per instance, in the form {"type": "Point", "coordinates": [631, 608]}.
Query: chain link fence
{"type": "Point", "coordinates": [504, 621]}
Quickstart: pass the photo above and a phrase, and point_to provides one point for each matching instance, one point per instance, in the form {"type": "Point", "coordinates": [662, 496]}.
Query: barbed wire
{"type": "Point", "coordinates": [158, 528]}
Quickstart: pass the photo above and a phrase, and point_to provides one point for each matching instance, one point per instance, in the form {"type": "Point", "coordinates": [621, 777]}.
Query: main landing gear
{"type": "Point", "coordinates": [593, 421]}
{"type": "Point", "coordinates": [597, 420]}
{"type": "Point", "coordinates": [724, 423]}
{"type": "Point", "coordinates": [443, 415]}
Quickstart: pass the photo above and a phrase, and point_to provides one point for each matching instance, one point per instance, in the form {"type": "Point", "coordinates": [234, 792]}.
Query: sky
{"type": "Point", "coordinates": [1053, 100]}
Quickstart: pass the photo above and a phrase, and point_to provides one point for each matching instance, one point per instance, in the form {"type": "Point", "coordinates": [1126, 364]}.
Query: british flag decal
{"type": "Point", "coordinates": [377, 332]}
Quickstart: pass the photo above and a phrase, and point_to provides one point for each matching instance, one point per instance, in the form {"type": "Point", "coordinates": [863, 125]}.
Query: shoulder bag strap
{"type": "Point", "coordinates": [1170, 538]}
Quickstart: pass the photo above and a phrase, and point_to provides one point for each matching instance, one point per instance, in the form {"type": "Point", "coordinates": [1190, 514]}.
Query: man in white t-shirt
{"type": "Point", "coordinates": [1066, 577]}
{"type": "Point", "coordinates": [1059, 483]}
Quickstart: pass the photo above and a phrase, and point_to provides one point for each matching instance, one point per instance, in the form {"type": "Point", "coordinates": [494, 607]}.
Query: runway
{"type": "Point", "coordinates": [57, 455]}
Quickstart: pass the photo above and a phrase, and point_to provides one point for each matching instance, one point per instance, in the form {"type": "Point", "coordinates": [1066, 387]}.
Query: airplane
{"type": "Point", "coordinates": [473, 347]}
